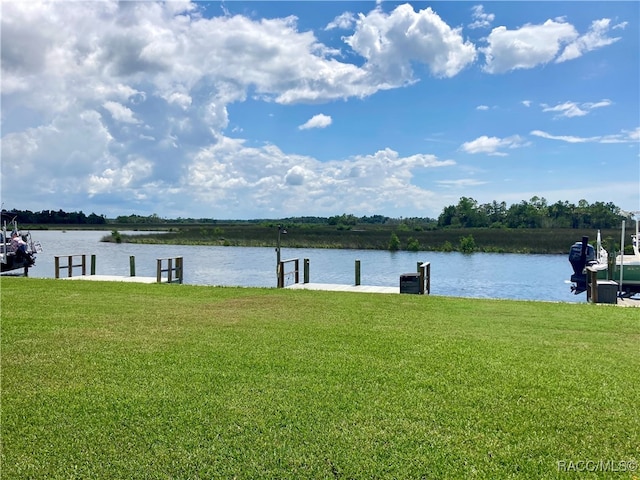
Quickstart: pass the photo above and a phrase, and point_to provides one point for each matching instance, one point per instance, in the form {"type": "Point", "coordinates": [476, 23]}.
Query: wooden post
{"type": "Point", "coordinates": [357, 272]}
{"type": "Point", "coordinates": [84, 264]}
{"type": "Point", "coordinates": [180, 270]}
{"type": "Point", "coordinates": [592, 283]}
{"type": "Point", "coordinates": [306, 270]}
{"type": "Point", "coordinates": [169, 270]}
{"type": "Point", "coordinates": [611, 265]}
{"type": "Point", "coordinates": [297, 272]}
{"type": "Point", "coordinates": [69, 264]}
{"type": "Point", "coordinates": [132, 266]}
{"type": "Point", "coordinates": [159, 271]}
{"type": "Point", "coordinates": [56, 263]}
{"type": "Point", "coordinates": [281, 274]}
{"type": "Point", "coordinates": [93, 264]}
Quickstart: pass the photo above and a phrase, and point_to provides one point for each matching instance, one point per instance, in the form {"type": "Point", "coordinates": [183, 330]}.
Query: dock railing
{"type": "Point", "coordinates": [283, 273]}
{"type": "Point", "coordinates": [73, 261]}
{"type": "Point", "coordinates": [174, 270]}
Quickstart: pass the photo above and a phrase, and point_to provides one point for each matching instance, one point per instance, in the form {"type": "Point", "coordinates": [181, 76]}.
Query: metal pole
{"type": "Point", "coordinates": [278, 266]}
{"type": "Point", "coordinates": [279, 272]}
{"type": "Point", "coordinates": [621, 258]}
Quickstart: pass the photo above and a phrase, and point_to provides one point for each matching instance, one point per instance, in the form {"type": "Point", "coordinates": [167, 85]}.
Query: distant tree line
{"type": "Point", "coordinates": [535, 213]}
{"type": "Point", "coordinates": [53, 217]}
{"type": "Point", "coordinates": [468, 213]}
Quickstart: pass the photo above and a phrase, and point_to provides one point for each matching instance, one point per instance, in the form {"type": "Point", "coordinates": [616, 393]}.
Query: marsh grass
{"type": "Point", "coordinates": [114, 380]}
{"type": "Point", "coordinates": [495, 240]}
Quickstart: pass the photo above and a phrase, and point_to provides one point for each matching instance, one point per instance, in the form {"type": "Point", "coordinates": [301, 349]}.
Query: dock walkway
{"type": "Point", "coordinates": [113, 278]}
{"type": "Point", "coordinates": [332, 287]}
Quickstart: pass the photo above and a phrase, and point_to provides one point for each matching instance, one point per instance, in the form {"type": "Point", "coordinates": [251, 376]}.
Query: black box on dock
{"type": "Point", "coordinates": [607, 291]}
{"type": "Point", "coordinates": [410, 283]}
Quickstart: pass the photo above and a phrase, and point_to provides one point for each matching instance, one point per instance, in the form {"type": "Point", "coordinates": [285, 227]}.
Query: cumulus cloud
{"type": "Point", "coordinates": [343, 21]}
{"type": "Point", "coordinates": [317, 121]}
{"type": "Point", "coordinates": [480, 18]}
{"type": "Point", "coordinates": [231, 174]}
{"type": "Point", "coordinates": [493, 145]}
{"type": "Point", "coordinates": [119, 112]}
{"type": "Point", "coordinates": [526, 47]}
{"type": "Point", "coordinates": [533, 45]}
{"type": "Point", "coordinates": [390, 42]}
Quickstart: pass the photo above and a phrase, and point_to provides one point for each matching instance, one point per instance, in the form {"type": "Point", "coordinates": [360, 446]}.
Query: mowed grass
{"type": "Point", "coordinates": [112, 380]}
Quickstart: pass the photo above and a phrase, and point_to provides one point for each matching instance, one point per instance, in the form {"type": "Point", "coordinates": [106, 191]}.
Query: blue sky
{"type": "Point", "coordinates": [273, 109]}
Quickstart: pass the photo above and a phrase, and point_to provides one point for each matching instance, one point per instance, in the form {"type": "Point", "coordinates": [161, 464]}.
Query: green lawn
{"type": "Point", "coordinates": [114, 381]}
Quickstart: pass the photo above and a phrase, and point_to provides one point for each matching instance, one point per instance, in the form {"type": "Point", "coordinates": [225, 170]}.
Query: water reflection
{"type": "Point", "coordinates": [488, 275]}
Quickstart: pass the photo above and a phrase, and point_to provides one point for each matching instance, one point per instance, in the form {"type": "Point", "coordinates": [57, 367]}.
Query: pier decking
{"type": "Point", "coordinates": [113, 278]}
{"type": "Point", "coordinates": [332, 287]}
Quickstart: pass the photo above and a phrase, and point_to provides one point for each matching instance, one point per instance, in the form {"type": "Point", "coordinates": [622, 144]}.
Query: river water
{"type": "Point", "coordinates": [480, 275]}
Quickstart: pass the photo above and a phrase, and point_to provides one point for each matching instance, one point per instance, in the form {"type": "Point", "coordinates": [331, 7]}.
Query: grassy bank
{"type": "Point", "coordinates": [115, 380]}
{"type": "Point", "coordinates": [376, 237]}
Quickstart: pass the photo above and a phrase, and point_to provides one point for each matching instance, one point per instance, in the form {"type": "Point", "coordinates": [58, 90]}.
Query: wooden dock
{"type": "Point", "coordinates": [332, 287]}
{"type": "Point", "coordinates": [168, 270]}
{"type": "Point", "coordinates": [628, 302]}
{"type": "Point", "coordinates": [113, 278]}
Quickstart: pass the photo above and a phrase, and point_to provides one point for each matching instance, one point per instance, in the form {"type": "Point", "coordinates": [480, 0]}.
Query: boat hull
{"type": "Point", "coordinates": [13, 263]}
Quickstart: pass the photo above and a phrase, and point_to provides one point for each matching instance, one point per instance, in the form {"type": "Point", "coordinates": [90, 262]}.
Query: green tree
{"type": "Point", "coordinates": [413, 245]}
{"type": "Point", "coordinates": [394, 242]}
{"type": "Point", "coordinates": [467, 244]}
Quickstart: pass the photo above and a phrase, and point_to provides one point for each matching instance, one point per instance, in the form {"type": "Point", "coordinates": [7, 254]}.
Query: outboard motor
{"type": "Point", "coordinates": [580, 255]}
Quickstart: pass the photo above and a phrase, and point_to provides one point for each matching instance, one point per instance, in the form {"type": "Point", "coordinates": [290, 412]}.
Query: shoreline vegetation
{"type": "Point", "coordinates": [382, 237]}
{"type": "Point", "coordinates": [532, 226]}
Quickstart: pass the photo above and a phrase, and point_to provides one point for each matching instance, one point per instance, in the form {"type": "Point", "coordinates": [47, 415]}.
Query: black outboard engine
{"type": "Point", "coordinates": [580, 254]}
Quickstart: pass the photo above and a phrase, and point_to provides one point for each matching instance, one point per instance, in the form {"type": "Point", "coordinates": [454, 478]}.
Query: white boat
{"type": "Point", "coordinates": [12, 258]}
{"type": "Point", "coordinates": [625, 270]}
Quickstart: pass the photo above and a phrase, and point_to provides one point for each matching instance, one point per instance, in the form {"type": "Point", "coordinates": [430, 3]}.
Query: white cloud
{"type": "Point", "coordinates": [119, 112]}
{"type": "Point", "coordinates": [533, 45]}
{"type": "Point", "coordinates": [121, 178]}
{"type": "Point", "coordinates": [492, 145]}
{"type": "Point", "coordinates": [317, 121]}
{"type": "Point", "coordinates": [461, 183]}
{"type": "Point", "coordinates": [526, 47]}
{"type": "Point", "coordinates": [480, 18]}
{"type": "Point", "coordinates": [482, 107]}
{"type": "Point", "coordinates": [623, 137]}
{"type": "Point", "coordinates": [390, 42]}
{"type": "Point", "coordinates": [573, 109]}
{"type": "Point", "coordinates": [343, 21]}
{"type": "Point", "coordinates": [526, 103]}
{"type": "Point", "coordinates": [595, 38]}
{"type": "Point", "coordinates": [231, 175]}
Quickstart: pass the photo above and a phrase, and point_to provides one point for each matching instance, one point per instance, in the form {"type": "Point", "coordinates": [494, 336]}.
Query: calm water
{"type": "Point", "coordinates": [513, 276]}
